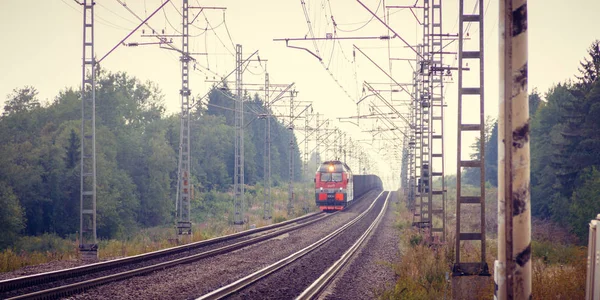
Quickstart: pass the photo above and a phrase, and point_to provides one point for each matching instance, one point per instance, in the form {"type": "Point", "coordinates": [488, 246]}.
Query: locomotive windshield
{"type": "Point", "coordinates": [331, 177]}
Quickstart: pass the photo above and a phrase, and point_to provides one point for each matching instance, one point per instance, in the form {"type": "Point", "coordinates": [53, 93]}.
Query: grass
{"type": "Point", "coordinates": [210, 220]}
{"type": "Point", "coordinates": [558, 264]}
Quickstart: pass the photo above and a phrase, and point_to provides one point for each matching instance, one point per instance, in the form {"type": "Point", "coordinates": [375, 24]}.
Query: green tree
{"type": "Point", "coordinates": [21, 100]}
{"type": "Point", "coordinates": [11, 216]}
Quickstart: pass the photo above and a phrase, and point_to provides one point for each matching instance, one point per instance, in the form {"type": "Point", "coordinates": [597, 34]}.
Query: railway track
{"type": "Point", "coordinates": [66, 282]}
{"type": "Point", "coordinates": [324, 280]}
{"type": "Point", "coordinates": [363, 223]}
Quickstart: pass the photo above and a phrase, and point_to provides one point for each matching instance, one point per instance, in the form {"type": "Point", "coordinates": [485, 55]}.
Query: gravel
{"type": "Point", "coordinates": [194, 279]}
{"type": "Point", "coordinates": [370, 271]}
{"type": "Point", "coordinates": [42, 268]}
{"type": "Point", "coordinates": [291, 280]}
{"type": "Point", "coordinates": [127, 267]}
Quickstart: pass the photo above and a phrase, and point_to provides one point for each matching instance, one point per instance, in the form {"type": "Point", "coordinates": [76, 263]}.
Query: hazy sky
{"type": "Point", "coordinates": [43, 45]}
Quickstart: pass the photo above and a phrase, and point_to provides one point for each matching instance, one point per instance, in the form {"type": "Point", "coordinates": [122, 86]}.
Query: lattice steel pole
{"type": "Point", "coordinates": [290, 207]}
{"type": "Point", "coordinates": [238, 185]}
{"type": "Point", "coordinates": [267, 162]}
{"type": "Point", "coordinates": [473, 274]}
{"type": "Point", "coordinates": [318, 143]}
{"type": "Point", "coordinates": [306, 158]}
{"type": "Point", "coordinates": [184, 226]}
{"type": "Point", "coordinates": [436, 159]}
{"type": "Point", "coordinates": [513, 267]}
{"type": "Point", "coordinates": [88, 245]}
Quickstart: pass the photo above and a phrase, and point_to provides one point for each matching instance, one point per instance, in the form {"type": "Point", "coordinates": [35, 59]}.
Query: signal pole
{"type": "Point", "coordinates": [239, 142]}
{"type": "Point", "coordinates": [88, 245]}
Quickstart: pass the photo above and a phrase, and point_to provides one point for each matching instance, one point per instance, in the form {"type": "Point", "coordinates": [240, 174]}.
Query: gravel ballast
{"type": "Point", "coordinates": [194, 279]}
{"type": "Point", "coordinates": [291, 280]}
{"type": "Point", "coordinates": [370, 271]}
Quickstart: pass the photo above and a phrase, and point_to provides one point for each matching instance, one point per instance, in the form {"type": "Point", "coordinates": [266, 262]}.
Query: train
{"type": "Point", "coordinates": [336, 186]}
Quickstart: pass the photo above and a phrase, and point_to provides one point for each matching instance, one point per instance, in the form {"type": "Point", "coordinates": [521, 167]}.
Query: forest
{"type": "Point", "coordinates": [565, 149]}
{"type": "Point", "coordinates": [137, 149]}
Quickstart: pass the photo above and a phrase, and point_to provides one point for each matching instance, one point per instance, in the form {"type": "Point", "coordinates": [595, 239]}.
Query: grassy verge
{"type": "Point", "coordinates": [559, 265]}
{"type": "Point", "coordinates": [211, 215]}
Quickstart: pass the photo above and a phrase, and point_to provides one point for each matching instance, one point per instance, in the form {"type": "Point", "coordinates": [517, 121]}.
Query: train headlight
{"type": "Point", "coordinates": [321, 188]}
{"type": "Point", "coordinates": [331, 168]}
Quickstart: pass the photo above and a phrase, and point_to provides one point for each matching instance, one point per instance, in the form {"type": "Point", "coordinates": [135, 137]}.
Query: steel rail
{"type": "Point", "coordinates": [323, 281]}
{"type": "Point", "coordinates": [250, 279]}
{"type": "Point", "coordinates": [35, 279]}
{"type": "Point", "coordinates": [63, 291]}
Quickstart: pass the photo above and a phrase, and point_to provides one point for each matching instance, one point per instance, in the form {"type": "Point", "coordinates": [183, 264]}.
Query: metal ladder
{"type": "Point", "coordinates": [436, 159]}
{"type": "Point", "coordinates": [475, 90]}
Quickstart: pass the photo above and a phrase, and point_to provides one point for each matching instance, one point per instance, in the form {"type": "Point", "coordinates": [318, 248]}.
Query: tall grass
{"type": "Point", "coordinates": [211, 217]}
{"type": "Point", "coordinates": [559, 265]}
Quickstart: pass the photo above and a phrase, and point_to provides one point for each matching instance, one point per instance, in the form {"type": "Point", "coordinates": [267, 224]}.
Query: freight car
{"type": "Point", "coordinates": [336, 187]}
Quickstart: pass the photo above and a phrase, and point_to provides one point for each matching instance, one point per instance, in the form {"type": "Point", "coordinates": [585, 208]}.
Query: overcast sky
{"type": "Point", "coordinates": [43, 43]}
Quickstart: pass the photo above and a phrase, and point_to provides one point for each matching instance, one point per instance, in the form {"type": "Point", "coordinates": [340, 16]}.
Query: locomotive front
{"type": "Point", "coordinates": [333, 186]}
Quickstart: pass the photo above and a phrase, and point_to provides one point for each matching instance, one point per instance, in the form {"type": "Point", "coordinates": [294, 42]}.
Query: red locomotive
{"type": "Point", "coordinates": [333, 186]}
{"type": "Point", "coordinates": [336, 187]}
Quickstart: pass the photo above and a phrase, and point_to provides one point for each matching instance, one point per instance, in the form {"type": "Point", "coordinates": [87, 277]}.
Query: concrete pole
{"type": "Point", "coordinates": [513, 267]}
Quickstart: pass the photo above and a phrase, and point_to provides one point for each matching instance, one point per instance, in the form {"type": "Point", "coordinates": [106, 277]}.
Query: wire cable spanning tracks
{"type": "Point", "coordinates": [7, 286]}
{"type": "Point", "coordinates": [260, 274]}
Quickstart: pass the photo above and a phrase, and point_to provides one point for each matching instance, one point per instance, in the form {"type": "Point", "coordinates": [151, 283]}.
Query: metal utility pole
{"type": "Point", "coordinates": [426, 77]}
{"type": "Point", "coordinates": [419, 218]}
{"type": "Point", "coordinates": [436, 159]}
{"type": "Point", "coordinates": [317, 143]}
{"type": "Point", "coordinates": [290, 207]}
{"type": "Point", "coordinates": [470, 273]}
{"type": "Point", "coordinates": [306, 179]}
{"type": "Point", "coordinates": [343, 146]}
{"type": "Point", "coordinates": [88, 245]}
{"type": "Point", "coordinates": [184, 226]}
{"type": "Point", "coordinates": [238, 185]}
{"type": "Point", "coordinates": [513, 267]}
{"type": "Point", "coordinates": [267, 212]}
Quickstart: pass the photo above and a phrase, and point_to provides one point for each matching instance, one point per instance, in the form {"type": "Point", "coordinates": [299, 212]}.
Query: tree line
{"type": "Point", "coordinates": [137, 148]}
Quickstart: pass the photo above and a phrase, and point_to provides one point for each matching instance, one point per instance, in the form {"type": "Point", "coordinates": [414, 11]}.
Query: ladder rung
{"type": "Point", "coordinates": [417, 215]}
{"type": "Point", "coordinates": [471, 54]}
{"type": "Point", "coordinates": [436, 155]}
{"type": "Point", "coordinates": [436, 136]}
{"type": "Point", "coordinates": [470, 127]}
{"type": "Point", "coordinates": [470, 18]}
{"type": "Point", "coordinates": [88, 193]}
{"type": "Point", "coordinates": [437, 173]}
{"type": "Point", "coordinates": [436, 118]}
{"type": "Point", "coordinates": [88, 211]}
{"type": "Point", "coordinates": [437, 211]}
{"type": "Point", "coordinates": [437, 230]}
{"type": "Point", "coordinates": [87, 174]}
{"type": "Point", "coordinates": [469, 236]}
{"type": "Point", "coordinates": [437, 192]}
{"type": "Point", "coordinates": [470, 163]}
{"type": "Point", "coordinates": [470, 199]}
{"type": "Point", "coordinates": [471, 91]}
{"type": "Point", "coordinates": [87, 136]}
